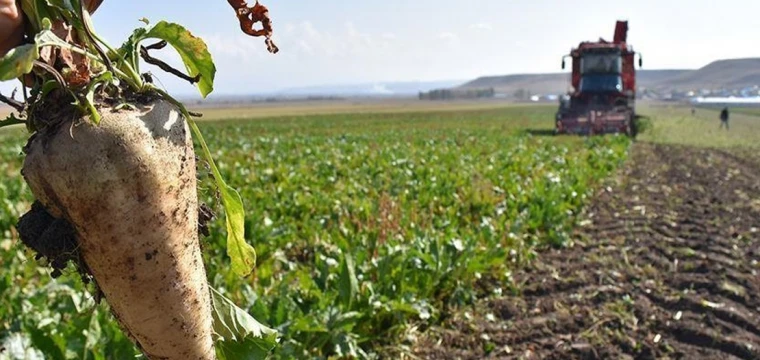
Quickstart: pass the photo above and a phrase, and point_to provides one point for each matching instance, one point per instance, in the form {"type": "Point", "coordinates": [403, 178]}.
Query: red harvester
{"type": "Point", "coordinates": [604, 88]}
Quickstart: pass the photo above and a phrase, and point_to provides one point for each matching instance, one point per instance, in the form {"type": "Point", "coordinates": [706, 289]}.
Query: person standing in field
{"type": "Point", "coordinates": [724, 117]}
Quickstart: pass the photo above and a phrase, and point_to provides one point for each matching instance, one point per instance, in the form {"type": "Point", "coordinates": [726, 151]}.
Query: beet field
{"type": "Point", "coordinates": [370, 228]}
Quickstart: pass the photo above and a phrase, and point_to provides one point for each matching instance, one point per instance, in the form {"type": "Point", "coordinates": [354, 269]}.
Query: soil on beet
{"type": "Point", "coordinates": [51, 238]}
{"type": "Point", "coordinates": [55, 240]}
{"type": "Point", "coordinates": [665, 266]}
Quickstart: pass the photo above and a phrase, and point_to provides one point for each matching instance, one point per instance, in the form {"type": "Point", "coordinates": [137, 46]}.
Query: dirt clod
{"type": "Point", "coordinates": [150, 255]}
{"type": "Point", "coordinates": [205, 215]}
{"type": "Point", "coordinates": [53, 239]}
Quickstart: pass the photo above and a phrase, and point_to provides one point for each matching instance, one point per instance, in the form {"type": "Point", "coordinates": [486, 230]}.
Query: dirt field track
{"type": "Point", "coordinates": [665, 268]}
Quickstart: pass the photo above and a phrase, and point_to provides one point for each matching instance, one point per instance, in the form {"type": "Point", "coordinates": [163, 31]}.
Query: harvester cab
{"type": "Point", "coordinates": [603, 95]}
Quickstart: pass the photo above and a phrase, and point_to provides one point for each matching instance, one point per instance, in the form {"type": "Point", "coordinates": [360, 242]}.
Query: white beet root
{"type": "Point", "coordinates": [128, 186]}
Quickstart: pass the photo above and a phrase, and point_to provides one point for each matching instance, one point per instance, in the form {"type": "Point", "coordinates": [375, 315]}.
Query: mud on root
{"type": "Point", "coordinates": [52, 239]}
{"type": "Point", "coordinates": [56, 240]}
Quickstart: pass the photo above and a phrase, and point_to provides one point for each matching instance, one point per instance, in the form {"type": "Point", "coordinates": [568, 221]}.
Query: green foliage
{"type": "Point", "coordinates": [643, 124]}
{"type": "Point", "coordinates": [239, 336]}
{"type": "Point", "coordinates": [366, 226]}
{"type": "Point", "coordinates": [35, 11]}
{"type": "Point", "coordinates": [191, 49]}
{"type": "Point", "coordinates": [673, 124]}
{"type": "Point", "coordinates": [18, 61]}
{"type": "Point", "coordinates": [89, 98]}
{"type": "Point", "coordinates": [241, 253]}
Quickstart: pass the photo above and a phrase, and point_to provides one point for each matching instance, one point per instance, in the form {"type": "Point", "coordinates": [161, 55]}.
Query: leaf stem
{"type": "Point", "coordinates": [11, 120]}
{"type": "Point", "coordinates": [128, 74]}
{"type": "Point", "coordinates": [19, 106]}
{"type": "Point", "coordinates": [91, 37]}
{"type": "Point", "coordinates": [166, 67]}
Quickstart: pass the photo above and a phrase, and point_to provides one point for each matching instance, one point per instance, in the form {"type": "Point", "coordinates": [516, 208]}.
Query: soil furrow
{"type": "Point", "coordinates": [665, 269]}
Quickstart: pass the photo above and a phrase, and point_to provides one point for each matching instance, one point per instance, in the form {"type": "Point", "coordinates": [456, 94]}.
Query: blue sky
{"type": "Point", "coordinates": [357, 41]}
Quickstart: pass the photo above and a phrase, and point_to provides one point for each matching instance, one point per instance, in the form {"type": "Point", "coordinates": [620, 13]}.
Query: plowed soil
{"type": "Point", "coordinates": [665, 268]}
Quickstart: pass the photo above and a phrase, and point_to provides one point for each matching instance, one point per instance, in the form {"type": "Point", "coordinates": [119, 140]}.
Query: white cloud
{"type": "Point", "coordinates": [309, 30]}
{"type": "Point", "coordinates": [388, 36]}
{"type": "Point", "coordinates": [289, 28]}
{"type": "Point", "coordinates": [303, 45]}
{"type": "Point", "coordinates": [313, 53]}
{"type": "Point", "coordinates": [482, 26]}
{"type": "Point", "coordinates": [238, 47]}
{"type": "Point", "coordinates": [448, 36]}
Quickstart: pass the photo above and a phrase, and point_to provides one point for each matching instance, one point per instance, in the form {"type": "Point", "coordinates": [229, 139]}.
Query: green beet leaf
{"type": "Point", "coordinates": [192, 50]}
{"type": "Point", "coordinates": [349, 285]}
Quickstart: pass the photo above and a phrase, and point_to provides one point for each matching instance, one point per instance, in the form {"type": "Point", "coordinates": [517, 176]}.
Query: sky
{"type": "Point", "coordinates": [372, 41]}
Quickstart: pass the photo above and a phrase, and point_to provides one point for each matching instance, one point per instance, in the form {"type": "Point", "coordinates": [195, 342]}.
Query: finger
{"type": "Point", "coordinates": [11, 39]}
{"type": "Point", "coordinates": [11, 27]}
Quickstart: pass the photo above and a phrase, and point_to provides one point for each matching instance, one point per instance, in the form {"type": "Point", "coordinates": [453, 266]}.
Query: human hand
{"type": "Point", "coordinates": [12, 23]}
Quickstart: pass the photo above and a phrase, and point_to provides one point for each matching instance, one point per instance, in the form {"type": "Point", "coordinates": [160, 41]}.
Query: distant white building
{"type": "Point", "coordinates": [724, 101]}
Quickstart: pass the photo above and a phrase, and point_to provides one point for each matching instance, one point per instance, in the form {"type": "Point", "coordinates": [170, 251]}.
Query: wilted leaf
{"type": "Point", "coordinates": [242, 254]}
{"type": "Point", "coordinates": [18, 61]}
{"type": "Point", "coordinates": [78, 73]}
{"type": "Point", "coordinates": [46, 37]}
{"type": "Point", "coordinates": [238, 334]}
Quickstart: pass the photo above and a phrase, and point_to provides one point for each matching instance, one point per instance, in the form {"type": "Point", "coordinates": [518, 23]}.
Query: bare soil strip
{"type": "Point", "coordinates": [666, 267]}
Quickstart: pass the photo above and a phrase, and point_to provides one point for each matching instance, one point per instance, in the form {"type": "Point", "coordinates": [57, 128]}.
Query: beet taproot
{"type": "Point", "coordinates": [128, 188]}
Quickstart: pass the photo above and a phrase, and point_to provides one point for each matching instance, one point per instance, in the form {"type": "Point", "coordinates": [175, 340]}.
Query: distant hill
{"type": "Point", "coordinates": [371, 89]}
{"type": "Point", "coordinates": [554, 83]}
{"type": "Point", "coordinates": [734, 74]}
